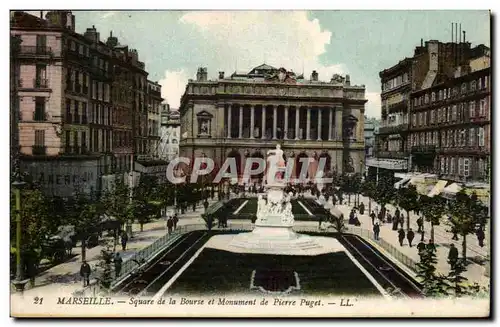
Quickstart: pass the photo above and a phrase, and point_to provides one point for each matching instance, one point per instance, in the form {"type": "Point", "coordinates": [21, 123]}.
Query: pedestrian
{"type": "Point", "coordinates": [401, 220]}
{"type": "Point", "coordinates": [376, 231]}
{"type": "Point", "coordinates": [452, 256]}
{"type": "Point", "coordinates": [410, 236]}
{"type": "Point", "coordinates": [361, 208]}
{"type": "Point", "coordinates": [480, 236]}
{"type": "Point", "coordinates": [420, 224]}
{"type": "Point", "coordinates": [421, 247]}
{"type": "Point", "coordinates": [389, 217]}
{"type": "Point", "coordinates": [401, 236]}
{"type": "Point", "coordinates": [395, 223]}
{"type": "Point", "coordinates": [455, 234]}
{"type": "Point", "coordinates": [194, 206]}
{"type": "Point", "coordinates": [422, 236]}
{"type": "Point", "coordinates": [397, 214]}
{"type": "Point", "coordinates": [175, 220]}
{"type": "Point", "coordinates": [373, 216]}
{"type": "Point", "coordinates": [124, 241]}
{"type": "Point", "coordinates": [85, 273]}
{"type": "Point", "coordinates": [254, 219]}
{"type": "Point", "coordinates": [170, 225]}
{"type": "Point", "coordinates": [118, 264]}
{"type": "Point", "coordinates": [205, 205]}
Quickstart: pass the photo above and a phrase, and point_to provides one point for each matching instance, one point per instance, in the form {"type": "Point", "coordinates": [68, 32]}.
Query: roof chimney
{"type": "Point", "coordinates": [421, 42]}
{"type": "Point", "coordinates": [41, 14]}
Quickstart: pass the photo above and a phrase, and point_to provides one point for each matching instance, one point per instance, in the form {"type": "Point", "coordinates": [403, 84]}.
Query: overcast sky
{"type": "Point", "coordinates": [173, 44]}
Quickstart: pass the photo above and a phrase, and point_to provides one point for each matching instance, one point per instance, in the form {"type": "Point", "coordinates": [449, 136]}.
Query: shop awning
{"type": "Point", "coordinates": [438, 188]}
{"type": "Point", "coordinates": [402, 182]}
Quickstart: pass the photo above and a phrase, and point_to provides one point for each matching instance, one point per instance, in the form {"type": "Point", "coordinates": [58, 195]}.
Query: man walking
{"type": "Point", "coordinates": [373, 216]}
{"type": "Point", "coordinates": [401, 236]}
{"type": "Point", "coordinates": [175, 220]}
{"type": "Point", "coordinates": [376, 231]}
{"type": "Point", "coordinates": [124, 241]}
{"type": "Point", "coordinates": [170, 225]}
{"type": "Point", "coordinates": [420, 224]}
{"type": "Point", "coordinates": [118, 264]}
{"type": "Point", "coordinates": [85, 273]}
{"type": "Point", "coordinates": [410, 236]}
{"type": "Point", "coordinates": [452, 255]}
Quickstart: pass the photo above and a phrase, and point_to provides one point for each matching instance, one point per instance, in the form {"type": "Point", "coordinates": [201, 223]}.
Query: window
{"type": "Point", "coordinates": [473, 85]}
{"type": "Point", "coordinates": [433, 96]}
{"type": "Point", "coordinates": [485, 82]}
{"type": "Point", "coordinates": [454, 113]}
{"type": "Point", "coordinates": [94, 89]}
{"type": "Point", "coordinates": [405, 77]}
{"type": "Point", "coordinates": [482, 107]}
{"type": "Point", "coordinates": [41, 42]}
{"type": "Point", "coordinates": [480, 136]}
{"type": "Point", "coordinates": [40, 137]}
{"type": "Point", "coordinates": [81, 49]}
{"type": "Point", "coordinates": [436, 138]}
{"type": "Point", "coordinates": [41, 76]}
{"type": "Point", "coordinates": [472, 109]}
{"type": "Point", "coordinates": [472, 134]}
{"type": "Point", "coordinates": [466, 167]}
{"type": "Point", "coordinates": [39, 109]}
{"type": "Point", "coordinates": [442, 164]}
{"type": "Point", "coordinates": [455, 137]}
{"type": "Point", "coordinates": [84, 140]}
{"type": "Point", "coordinates": [426, 98]}
{"type": "Point", "coordinates": [77, 114]}
{"type": "Point", "coordinates": [453, 164]}
{"type": "Point", "coordinates": [84, 113]}
{"type": "Point", "coordinates": [464, 88]}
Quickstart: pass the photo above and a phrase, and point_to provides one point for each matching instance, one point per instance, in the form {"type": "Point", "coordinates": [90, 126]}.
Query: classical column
{"type": "Point", "coordinates": [330, 122]}
{"type": "Point", "coordinates": [252, 120]}
{"type": "Point", "coordinates": [319, 124]}
{"type": "Point", "coordinates": [263, 127]}
{"type": "Point", "coordinates": [241, 122]}
{"type": "Point", "coordinates": [275, 122]}
{"type": "Point", "coordinates": [308, 127]}
{"type": "Point", "coordinates": [229, 113]}
{"type": "Point", "coordinates": [338, 123]}
{"type": "Point", "coordinates": [285, 134]}
{"type": "Point", "coordinates": [297, 122]}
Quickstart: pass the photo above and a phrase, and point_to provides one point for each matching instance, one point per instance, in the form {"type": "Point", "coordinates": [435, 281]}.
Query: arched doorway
{"type": "Point", "coordinates": [298, 166]}
{"type": "Point", "coordinates": [257, 177]}
{"type": "Point", "coordinates": [237, 157]}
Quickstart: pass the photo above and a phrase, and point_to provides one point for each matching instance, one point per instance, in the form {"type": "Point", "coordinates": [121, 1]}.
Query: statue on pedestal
{"type": "Point", "coordinates": [276, 164]}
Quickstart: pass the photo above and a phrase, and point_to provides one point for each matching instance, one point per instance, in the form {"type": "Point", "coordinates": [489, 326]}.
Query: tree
{"type": "Point", "coordinates": [433, 210]}
{"type": "Point", "coordinates": [433, 284]}
{"type": "Point", "coordinates": [36, 227]}
{"type": "Point", "coordinates": [85, 215]}
{"type": "Point", "coordinates": [369, 190]}
{"type": "Point", "coordinates": [104, 270]}
{"type": "Point", "coordinates": [457, 280]}
{"type": "Point", "coordinates": [384, 192]}
{"type": "Point", "coordinates": [117, 200]}
{"type": "Point", "coordinates": [408, 200]}
{"type": "Point", "coordinates": [465, 214]}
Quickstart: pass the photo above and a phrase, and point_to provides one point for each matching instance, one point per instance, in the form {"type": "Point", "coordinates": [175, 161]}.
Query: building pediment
{"type": "Point", "coordinates": [204, 114]}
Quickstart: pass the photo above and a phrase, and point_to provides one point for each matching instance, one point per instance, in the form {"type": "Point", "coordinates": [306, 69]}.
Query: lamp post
{"type": "Point", "coordinates": [18, 184]}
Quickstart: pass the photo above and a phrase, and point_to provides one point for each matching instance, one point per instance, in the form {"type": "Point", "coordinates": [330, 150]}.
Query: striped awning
{"type": "Point", "coordinates": [438, 188]}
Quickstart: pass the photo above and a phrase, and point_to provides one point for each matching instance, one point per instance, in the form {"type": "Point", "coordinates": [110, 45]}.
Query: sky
{"type": "Point", "coordinates": [173, 44]}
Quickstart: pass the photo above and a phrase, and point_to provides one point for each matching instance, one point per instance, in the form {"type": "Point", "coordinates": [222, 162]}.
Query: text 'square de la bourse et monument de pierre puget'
{"type": "Point", "coordinates": [247, 114]}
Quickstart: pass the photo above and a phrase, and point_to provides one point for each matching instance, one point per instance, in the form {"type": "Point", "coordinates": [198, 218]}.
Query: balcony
{"type": "Point", "coordinates": [391, 154]}
{"type": "Point", "coordinates": [393, 129]}
{"type": "Point", "coordinates": [39, 150]}
{"type": "Point", "coordinates": [41, 83]}
{"type": "Point", "coordinates": [84, 119]}
{"type": "Point", "coordinates": [423, 149]}
{"type": "Point", "coordinates": [398, 106]}
{"type": "Point", "coordinates": [478, 150]}
{"type": "Point", "coordinates": [78, 88]}
{"type": "Point", "coordinates": [35, 51]}
{"type": "Point", "coordinates": [40, 115]}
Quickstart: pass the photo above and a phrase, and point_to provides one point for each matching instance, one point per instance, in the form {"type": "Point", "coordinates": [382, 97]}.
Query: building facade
{"type": "Point", "coordinates": [245, 115]}
{"type": "Point", "coordinates": [75, 123]}
{"type": "Point", "coordinates": [154, 101]}
{"type": "Point", "coordinates": [433, 62]}
{"type": "Point", "coordinates": [371, 129]}
{"type": "Point", "coordinates": [170, 133]}
{"type": "Point", "coordinates": [451, 128]}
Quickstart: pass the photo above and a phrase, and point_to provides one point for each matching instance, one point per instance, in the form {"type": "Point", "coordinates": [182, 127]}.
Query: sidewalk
{"type": "Point", "coordinates": [442, 239]}
{"type": "Point", "coordinates": [65, 277]}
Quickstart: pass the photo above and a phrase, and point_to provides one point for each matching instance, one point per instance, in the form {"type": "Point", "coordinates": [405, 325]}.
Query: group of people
{"type": "Point", "coordinates": [172, 223]}
{"type": "Point", "coordinates": [86, 270]}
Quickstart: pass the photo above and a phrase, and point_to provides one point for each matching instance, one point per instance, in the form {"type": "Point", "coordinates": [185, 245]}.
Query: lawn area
{"type": "Point", "coordinates": [216, 271]}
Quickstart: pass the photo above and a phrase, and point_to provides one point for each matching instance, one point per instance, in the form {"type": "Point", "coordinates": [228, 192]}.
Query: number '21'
{"type": "Point", "coordinates": [38, 300]}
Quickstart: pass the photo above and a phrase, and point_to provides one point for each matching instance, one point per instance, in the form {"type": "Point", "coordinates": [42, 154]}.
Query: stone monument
{"type": "Point", "coordinates": [273, 232]}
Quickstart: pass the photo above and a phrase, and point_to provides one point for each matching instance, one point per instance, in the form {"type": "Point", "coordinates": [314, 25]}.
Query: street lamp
{"type": "Point", "coordinates": [18, 184]}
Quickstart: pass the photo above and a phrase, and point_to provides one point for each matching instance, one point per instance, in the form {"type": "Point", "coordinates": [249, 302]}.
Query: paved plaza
{"type": "Point", "coordinates": [65, 277]}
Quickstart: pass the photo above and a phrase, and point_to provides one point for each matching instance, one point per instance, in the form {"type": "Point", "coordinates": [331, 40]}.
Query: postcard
{"type": "Point", "coordinates": [174, 164]}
